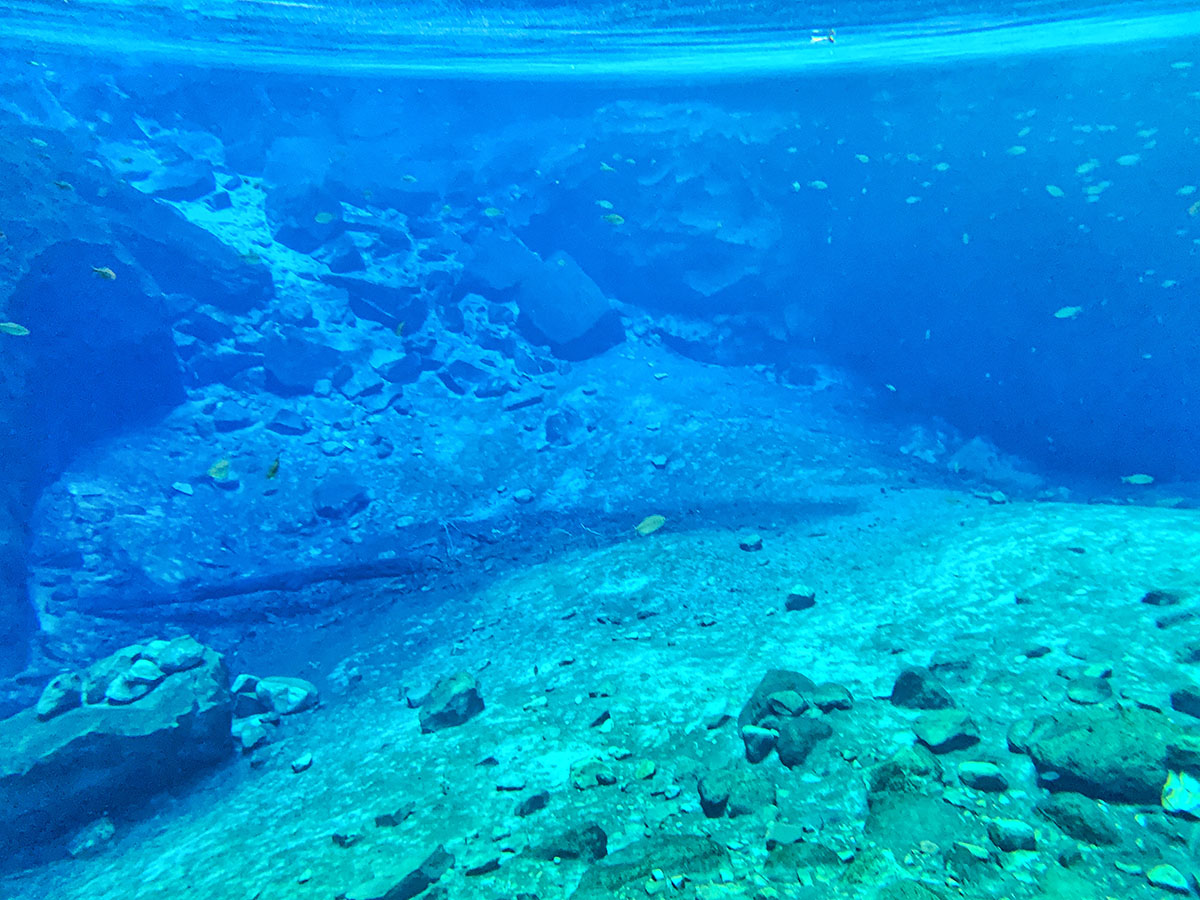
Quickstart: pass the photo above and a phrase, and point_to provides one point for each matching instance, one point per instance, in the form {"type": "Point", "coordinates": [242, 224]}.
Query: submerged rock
{"type": "Point", "coordinates": [452, 701]}
{"type": "Point", "coordinates": [60, 773]}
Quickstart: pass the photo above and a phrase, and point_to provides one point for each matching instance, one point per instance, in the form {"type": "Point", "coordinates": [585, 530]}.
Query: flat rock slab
{"type": "Point", "coordinates": [59, 774]}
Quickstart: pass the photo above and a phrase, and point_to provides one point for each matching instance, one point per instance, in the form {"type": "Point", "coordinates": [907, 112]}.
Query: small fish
{"type": "Point", "coordinates": [64, 185]}
{"type": "Point", "coordinates": [273, 469]}
{"type": "Point", "coordinates": [614, 219]}
{"type": "Point", "coordinates": [604, 204]}
{"type": "Point", "coordinates": [39, 143]}
{"type": "Point", "coordinates": [104, 273]}
{"type": "Point", "coordinates": [323, 218]}
{"type": "Point", "coordinates": [219, 470]}
{"type": "Point", "coordinates": [1138, 478]}
{"type": "Point", "coordinates": [650, 524]}
{"type": "Point", "coordinates": [1194, 209]}
{"type": "Point", "coordinates": [828, 37]}
{"type": "Point", "coordinates": [13, 328]}
{"type": "Point", "coordinates": [1068, 312]}
{"type": "Point", "coordinates": [250, 256]}
{"type": "Point", "coordinates": [126, 159]}
{"type": "Point", "coordinates": [605, 167]}
{"type": "Point", "coordinates": [400, 328]}
{"type": "Point", "coordinates": [493, 212]}
{"type": "Point", "coordinates": [409, 179]}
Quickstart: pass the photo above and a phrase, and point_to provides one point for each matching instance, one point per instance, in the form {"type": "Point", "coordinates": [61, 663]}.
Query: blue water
{"type": "Point", "coordinates": [566, 347]}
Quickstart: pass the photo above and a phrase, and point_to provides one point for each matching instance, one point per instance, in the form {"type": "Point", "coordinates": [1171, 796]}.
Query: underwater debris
{"type": "Point", "coordinates": [1068, 312]}
{"type": "Point", "coordinates": [14, 329]}
{"type": "Point", "coordinates": [650, 524]}
{"type": "Point", "coordinates": [104, 273]}
{"type": "Point", "coordinates": [1138, 478]}
{"type": "Point", "coordinates": [219, 470]}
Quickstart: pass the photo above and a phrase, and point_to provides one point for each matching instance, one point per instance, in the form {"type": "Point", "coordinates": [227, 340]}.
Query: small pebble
{"type": "Point", "coordinates": [302, 763]}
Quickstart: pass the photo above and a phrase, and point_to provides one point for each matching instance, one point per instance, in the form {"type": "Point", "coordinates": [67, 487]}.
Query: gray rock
{"type": "Point", "coordinates": [946, 730]}
{"type": "Point", "coordinates": [800, 596]}
{"type": "Point", "coordinates": [916, 688]}
{"type": "Point", "coordinates": [288, 422]}
{"type": "Point", "coordinates": [798, 737]}
{"type": "Point", "coordinates": [586, 842]}
{"type": "Point", "coordinates": [285, 696]}
{"type": "Point", "coordinates": [59, 774]}
{"type": "Point", "coordinates": [1011, 835]}
{"type": "Point", "coordinates": [1081, 818]}
{"type": "Point", "coordinates": [64, 692]}
{"type": "Point", "coordinates": [830, 696]}
{"type": "Point", "coordinates": [91, 839]}
{"type": "Point", "coordinates": [759, 742]}
{"type": "Point", "coordinates": [176, 655]}
{"type": "Point", "coordinates": [774, 681]}
{"type": "Point", "coordinates": [982, 776]}
{"type": "Point", "coordinates": [452, 702]}
{"type": "Point", "coordinates": [339, 497]}
{"type": "Point", "coordinates": [231, 417]}
{"type": "Point", "coordinates": [410, 878]}
{"type": "Point", "coordinates": [1186, 699]}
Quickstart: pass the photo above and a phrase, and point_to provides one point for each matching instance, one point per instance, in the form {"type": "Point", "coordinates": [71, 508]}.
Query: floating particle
{"type": "Point", "coordinates": [219, 470]}
{"type": "Point", "coordinates": [1090, 166]}
{"type": "Point", "coordinates": [1138, 478]}
{"type": "Point", "coordinates": [1068, 312]}
{"type": "Point", "coordinates": [604, 204]}
{"type": "Point", "coordinates": [1129, 159]}
{"type": "Point", "coordinates": [614, 219]}
{"type": "Point", "coordinates": [493, 212]}
{"type": "Point", "coordinates": [1186, 191]}
{"type": "Point", "coordinates": [650, 524]}
{"type": "Point", "coordinates": [104, 273]}
{"type": "Point", "coordinates": [818, 184]}
{"type": "Point", "coordinates": [14, 329]}
{"type": "Point", "coordinates": [942, 167]}
{"type": "Point", "coordinates": [1015, 150]}
{"type": "Point", "coordinates": [1055, 191]}
{"type": "Point", "coordinates": [862, 157]}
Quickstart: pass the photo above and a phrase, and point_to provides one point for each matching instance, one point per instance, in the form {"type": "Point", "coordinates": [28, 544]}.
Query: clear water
{"type": "Point", "coordinates": [782, 416]}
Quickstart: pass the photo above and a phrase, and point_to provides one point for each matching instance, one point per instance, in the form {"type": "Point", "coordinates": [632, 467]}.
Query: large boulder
{"type": "Point", "coordinates": [144, 719]}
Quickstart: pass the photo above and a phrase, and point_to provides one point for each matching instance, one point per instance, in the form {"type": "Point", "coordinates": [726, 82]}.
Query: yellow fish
{"type": "Point", "coordinates": [273, 469]}
{"type": "Point", "coordinates": [614, 219]}
{"type": "Point", "coordinates": [219, 470]}
{"type": "Point", "coordinates": [650, 524]}
{"type": "Point", "coordinates": [104, 273]}
{"type": "Point", "coordinates": [1068, 312]}
{"type": "Point", "coordinates": [13, 328]}
{"type": "Point", "coordinates": [1138, 479]}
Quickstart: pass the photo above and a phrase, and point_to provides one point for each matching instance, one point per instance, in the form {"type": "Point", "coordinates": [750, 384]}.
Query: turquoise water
{"type": "Point", "coordinates": [604, 451]}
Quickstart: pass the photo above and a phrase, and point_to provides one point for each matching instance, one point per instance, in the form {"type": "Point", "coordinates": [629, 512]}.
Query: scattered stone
{"type": "Point", "coordinates": [1081, 818]}
{"type": "Point", "coordinates": [392, 819]}
{"type": "Point", "coordinates": [176, 655]}
{"type": "Point", "coordinates": [285, 696]}
{"type": "Point", "coordinates": [586, 842]}
{"type": "Point", "coordinates": [1168, 878]}
{"type": "Point", "coordinates": [1088, 691]}
{"type": "Point", "coordinates": [1186, 700]}
{"type": "Point", "coordinates": [339, 497]}
{"type": "Point", "coordinates": [798, 737]}
{"type": "Point", "coordinates": [452, 702]}
{"type": "Point", "coordinates": [64, 692]}
{"type": "Point", "coordinates": [250, 732]}
{"type": "Point", "coordinates": [1162, 598]}
{"type": "Point", "coordinates": [759, 742]}
{"type": "Point", "coordinates": [751, 543]}
{"type": "Point", "coordinates": [302, 763]}
{"type": "Point", "coordinates": [916, 688]}
{"type": "Point", "coordinates": [1181, 794]}
{"type": "Point", "coordinates": [800, 596]}
{"type": "Point", "coordinates": [523, 496]}
{"type": "Point", "coordinates": [946, 730]}
{"type": "Point", "coordinates": [645, 770]}
{"type": "Point", "coordinates": [590, 773]}
{"type": "Point", "coordinates": [343, 837]}
{"type": "Point", "coordinates": [830, 696]}
{"type": "Point", "coordinates": [1011, 835]}
{"type": "Point", "coordinates": [91, 839]}
{"type": "Point", "coordinates": [533, 803]}
{"type": "Point", "coordinates": [410, 878]}
{"type": "Point", "coordinates": [774, 681]}
{"type": "Point", "coordinates": [982, 776]}
{"type": "Point", "coordinates": [288, 422]}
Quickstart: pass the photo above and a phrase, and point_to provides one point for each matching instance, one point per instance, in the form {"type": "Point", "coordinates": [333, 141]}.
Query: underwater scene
{"type": "Point", "coordinates": [536, 451]}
